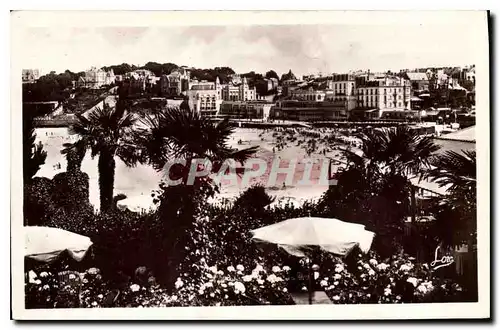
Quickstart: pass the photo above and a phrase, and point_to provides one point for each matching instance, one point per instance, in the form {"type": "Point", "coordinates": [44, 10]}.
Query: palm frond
{"type": "Point", "coordinates": [457, 170]}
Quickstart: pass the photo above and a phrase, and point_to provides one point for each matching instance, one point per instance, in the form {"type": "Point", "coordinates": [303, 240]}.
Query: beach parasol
{"type": "Point", "coordinates": [299, 235]}
{"type": "Point", "coordinates": [46, 244]}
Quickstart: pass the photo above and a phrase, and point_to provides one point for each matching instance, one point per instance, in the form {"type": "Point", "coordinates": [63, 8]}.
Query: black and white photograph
{"type": "Point", "coordinates": [220, 164]}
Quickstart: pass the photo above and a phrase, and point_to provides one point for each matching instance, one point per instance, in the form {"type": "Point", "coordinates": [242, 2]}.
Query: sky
{"type": "Point", "coordinates": [305, 49]}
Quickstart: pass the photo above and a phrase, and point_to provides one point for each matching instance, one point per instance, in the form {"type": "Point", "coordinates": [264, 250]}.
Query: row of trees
{"type": "Point", "coordinates": [51, 87]}
{"type": "Point", "coordinates": [57, 87]}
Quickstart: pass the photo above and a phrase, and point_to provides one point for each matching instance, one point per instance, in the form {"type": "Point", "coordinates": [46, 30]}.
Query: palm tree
{"type": "Point", "coordinates": [375, 185]}
{"type": "Point", "coordinates": [106, 132]}
{"type": "Point", "coordinates": [182, 133]}
{"type": "Point", "coordinates": [457, 172]}
{"type": "Point", "coordinates": [399, 150]}
{"type": "Point", "coordinates": [458, 209]}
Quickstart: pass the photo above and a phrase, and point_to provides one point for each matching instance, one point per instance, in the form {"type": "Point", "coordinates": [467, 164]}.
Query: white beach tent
{"type": "Point", "coordinates": [47, 244]}
{"type": "Point", "coordinates": [296, 236]}
{"type": "Point", "coordinates": [331, 235]}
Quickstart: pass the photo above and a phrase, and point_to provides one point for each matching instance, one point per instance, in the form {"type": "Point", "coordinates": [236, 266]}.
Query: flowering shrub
{"type": "Point", "coordinates": [395, 280]}
{"type": "Point", "coordinates": [220, 265]}
{"type": "Point", "coordinates": [231, 286]}
{"type": "Point", "coordinates": [399, 280]}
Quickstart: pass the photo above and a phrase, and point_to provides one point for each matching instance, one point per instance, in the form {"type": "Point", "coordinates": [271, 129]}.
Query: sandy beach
{"type": "Point", "coordinates": [138, 182]}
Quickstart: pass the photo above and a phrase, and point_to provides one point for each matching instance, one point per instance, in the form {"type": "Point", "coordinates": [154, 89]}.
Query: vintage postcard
{"type": "Point", "coordinates": [250, 165]}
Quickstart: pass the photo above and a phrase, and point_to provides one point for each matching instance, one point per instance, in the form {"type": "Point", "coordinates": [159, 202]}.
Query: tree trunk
{"type": "Point", "coordinates": [106, 167]}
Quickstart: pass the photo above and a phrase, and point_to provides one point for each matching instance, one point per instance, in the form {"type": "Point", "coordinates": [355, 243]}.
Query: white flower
{"type": "Point", "coordinates": [213, 269]}
{"type": "Point", "coordinates": [285, 290]}
{"type": "Point", "coordinates": [315, 267]}
{"type": "Point", "coordinates": [337, 276]}
{"type": "Point", "coordinates": [240, 268]}
{"type": "Point", "coordinates": [224, 285]}
{"type": "Point", "coordinates": [46, 287]}
{"type": "Point", "coordinates": [220, 272]}
{"type": "Point", "coordinates": [316, 275]}
{"type": "Point", "coordinates": [422, 288]}
{"type": "Point", "coordinates": [230, 284]}
{"type": "Point", "coordinates": [366, 266]}
{"type": "Point", "coordinates": [272, 278]}
{"type": "Point", "coordinates": [339, 268]}
{"type": "Point", "coordinates": [371, 272]}
{"type": "Point", "coordinates": [94, 303]}
{"type": "Point", "coordinates": [231, 269]}
{"type": "Point", "coordinates": [212, 294]}
{"type": "Point", "coordinates": [200, 291]}
{"type": "Point", "coordinates": [406, 267]}
{"type": "Point", "coordinates": [323, 283]}
{"type": "Point", "coordinates": [304, 288]}
{"type": "Point", "coordinates": [276, 269]}
{"type": "Point", "coordinates": [336, 298]}
{"type": "Point", "coordinates": [373, 262]}
{"type": "Point", "coordinates": [260, 281]}
{"type": "Point", "coordinates": [387, 291]}
{"type": "Point", "coordinates": [93, 271]}
{"type": "Point", "coordinates": [247, 278]}
{"type": "Point", "coordinates": [208, 284]}
{"type": "Point", "coordinates": [209, 275]}
{"type": "Point", "coordinates": [44, 274]}
{"type": "Point", "coordinates": [174, 298]}
{"type": "Point", "coordinates": [100, 296]}
{"type": "Point", "coordinates": [179, 283]}
{"type": "Point", "coordinates": [258, 268]}
{"type": "Point", "coordinates": [239, 286]}
{"type": "Point", "coordinates": [135, 287]}
{"type": "Point", "coordinates": [335, 283]}
{"type": "Point", "coordinates": [412, 280]}
{"type": "Point", "coordinates": [38, 282]}
{"type": "Point", "coordinates": [226, 296]}
{"type": "Point", "coordinates": [382, 266]}
{"type": "Point", "coordinates": [286, 268]}
{"type": "Point", "coordinates": [217, 304]}
{"type": "Point", "coordinates": [31, 276]}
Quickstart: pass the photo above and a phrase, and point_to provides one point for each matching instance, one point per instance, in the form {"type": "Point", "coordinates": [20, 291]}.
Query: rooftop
{"type": "Point", "coordinates": [417, 76]}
